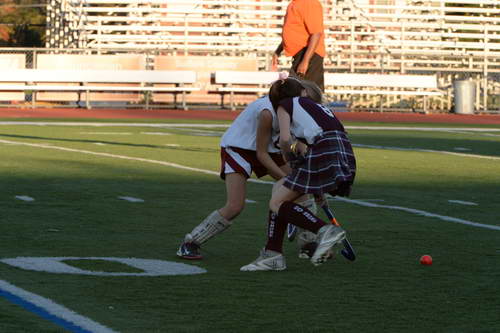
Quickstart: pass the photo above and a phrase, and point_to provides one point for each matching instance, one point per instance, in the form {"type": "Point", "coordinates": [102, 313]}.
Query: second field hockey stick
{"type": "Point", "coordinates": [347, 251]}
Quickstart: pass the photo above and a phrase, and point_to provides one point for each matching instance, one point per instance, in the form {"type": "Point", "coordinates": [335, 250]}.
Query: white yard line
{"type": "Point", "coordinates": [375, 128]}
{"type": "Point", "coordinates": [421, 212]}
{"type": "Point", "coordinates": [174, 165]}
{"type": "Point", "coordinates": [476, 133]}
{"type": "Point", "coordinates": [425, 129]}
{"type": "Point", "coordinates": [131, 199]}
{"type": "Point", "coordinates": [106, 133]}
{"type": "Point", "coordinates": [50, 310]}
{"type": "Point", "coordinates": [97, 124]}
{"type": "Point", "coordinates": [488, 157]}
{"type": "Point", "coordinates": [24, 198]}
{"type": "Point", "coordinates": [461, 202]}
{"type": "Point", "coordinates": [156, 133]}
{"type": "Point", "coordinates": [88, 152]}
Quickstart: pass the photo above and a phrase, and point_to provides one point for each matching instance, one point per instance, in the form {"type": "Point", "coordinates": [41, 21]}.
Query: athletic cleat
{"type": "Point", "coordinates": [327, 237]}
{"type": "Point", "coordinates": [267, 261]}
{"type": "Point", "coordinates": [190, 251]}
{"type": "Point", "coordinates": [291, 232]}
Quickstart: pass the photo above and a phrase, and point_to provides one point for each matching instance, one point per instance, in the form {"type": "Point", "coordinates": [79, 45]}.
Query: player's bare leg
{"type": "Point", "coordinates": [218, 221]}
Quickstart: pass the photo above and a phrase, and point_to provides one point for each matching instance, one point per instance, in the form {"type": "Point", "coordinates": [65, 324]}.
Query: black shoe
{"type": "Point", "coordinates": [190, 251]}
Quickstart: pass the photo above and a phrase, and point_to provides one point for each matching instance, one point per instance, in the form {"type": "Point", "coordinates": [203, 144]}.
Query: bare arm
{"type": "Point", "coordinates": [293, 151]}
{"type": "Point", "coordinates": [264, 130]}
{"type": "Point", "coordinates": [311, 47]}
{"type": "Point", "coordinates": [276, 54]}
{"type": "Point", "coordinates": [285, 135]}
{"type": "Point", "coordinates": [279, 49]}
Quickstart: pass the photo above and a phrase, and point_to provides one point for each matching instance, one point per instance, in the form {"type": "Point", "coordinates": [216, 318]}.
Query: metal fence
{"type": "Point", "coordinates": [455, 40]}
{"type": "Point", "coordinates": [487, 81]}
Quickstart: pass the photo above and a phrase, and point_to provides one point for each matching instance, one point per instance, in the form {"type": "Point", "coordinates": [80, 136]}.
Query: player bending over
{"type": "Point", "coordinates": [323, 162]}
{"type": "Point", "coordinates": [247, 146]}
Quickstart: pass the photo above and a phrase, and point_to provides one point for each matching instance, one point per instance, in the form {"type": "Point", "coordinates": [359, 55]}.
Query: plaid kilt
{"type": "Point", "coordinates": [329, 167]}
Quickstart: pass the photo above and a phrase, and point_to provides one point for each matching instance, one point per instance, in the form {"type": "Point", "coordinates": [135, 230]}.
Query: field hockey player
{"type": "Point", "coordinates": [323, 162]}
{"type": "Point", "coordinates": [247, 146]}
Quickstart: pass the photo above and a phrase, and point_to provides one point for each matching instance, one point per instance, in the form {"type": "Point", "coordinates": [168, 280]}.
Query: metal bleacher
{"type": "Point", "coordinates": [453, 39]}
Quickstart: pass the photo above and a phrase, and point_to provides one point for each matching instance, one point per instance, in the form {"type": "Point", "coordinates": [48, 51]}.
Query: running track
{"type": "Point", "coordinates": [395, 117]}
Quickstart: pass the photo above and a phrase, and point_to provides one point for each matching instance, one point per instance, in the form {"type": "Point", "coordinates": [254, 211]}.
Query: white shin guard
{"type": "Point", "coordinates": [212, 225]}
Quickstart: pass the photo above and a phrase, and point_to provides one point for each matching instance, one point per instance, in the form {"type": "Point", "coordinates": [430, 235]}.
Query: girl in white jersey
{"type": "Point", "coordinates": [315, 143]}
{"type": "Point", "coordinates": [249, 145]}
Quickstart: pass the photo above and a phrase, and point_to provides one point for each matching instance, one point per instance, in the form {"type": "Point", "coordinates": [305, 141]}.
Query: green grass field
{"type": "Point", "coordinates": [417, 192]}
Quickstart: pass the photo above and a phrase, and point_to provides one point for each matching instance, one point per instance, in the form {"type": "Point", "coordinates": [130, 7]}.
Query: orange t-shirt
{"type": "Point", "coordinates": [303, 18]}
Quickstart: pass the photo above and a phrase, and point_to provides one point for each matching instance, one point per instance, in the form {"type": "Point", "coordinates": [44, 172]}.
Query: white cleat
{"type": "Point", "coordinates": [267, 261]}
{"type": "Point", "coordinates": [327, 237]}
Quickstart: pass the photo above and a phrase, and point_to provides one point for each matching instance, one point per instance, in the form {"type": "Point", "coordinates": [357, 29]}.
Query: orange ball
{"type": "Point", "coordinates": [426, 260]}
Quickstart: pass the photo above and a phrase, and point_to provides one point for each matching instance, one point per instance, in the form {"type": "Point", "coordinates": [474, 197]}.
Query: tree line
{"type": "Point", "coordinates": [22, 23]}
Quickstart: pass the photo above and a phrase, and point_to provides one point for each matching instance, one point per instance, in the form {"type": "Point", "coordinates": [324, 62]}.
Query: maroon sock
{"type": "Point", "coordinates": [302, 217]}
{"type": "Point", "coordinates": [275, 233]}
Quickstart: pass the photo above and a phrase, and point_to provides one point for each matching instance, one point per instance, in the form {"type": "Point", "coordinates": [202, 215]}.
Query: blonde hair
{"type": "Point", "coordinates": [313, 91]}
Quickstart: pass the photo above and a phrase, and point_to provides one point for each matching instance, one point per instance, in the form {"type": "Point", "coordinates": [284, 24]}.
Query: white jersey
{"type": "Point", "coordinates": [243, 131]}
{"type": "Point", "coordinates": [310, 119]}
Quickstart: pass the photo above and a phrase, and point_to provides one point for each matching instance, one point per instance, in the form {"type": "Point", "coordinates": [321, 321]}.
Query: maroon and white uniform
{"type": "Point", "coordinates": [330, 165]}
{"type": "Point", "coordinates": [239, 142]}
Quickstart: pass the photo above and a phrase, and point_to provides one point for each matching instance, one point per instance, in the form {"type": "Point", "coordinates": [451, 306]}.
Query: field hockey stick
{"type": "Point", "coordinates": [347, 251]}
{"type": "Point", "coordinates": [291, 232]}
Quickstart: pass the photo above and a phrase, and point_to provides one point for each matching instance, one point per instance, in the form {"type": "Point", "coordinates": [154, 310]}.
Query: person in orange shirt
{"type": "Point", "coordinates": [303, 39]}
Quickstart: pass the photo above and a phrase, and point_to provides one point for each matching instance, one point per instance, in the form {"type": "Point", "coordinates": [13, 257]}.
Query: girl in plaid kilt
{"type": "Point", "coordinates": [248, 146]}
{"type": "Point", "coordinates": [328, 164]}
{"type": "Point", "coordinates": [316, 145]}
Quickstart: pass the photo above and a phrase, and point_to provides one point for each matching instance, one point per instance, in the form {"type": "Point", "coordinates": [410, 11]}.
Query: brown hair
{"type": "Point", "coordinates": [281, 89]}
{"type": "Point", "coordinates": [313, 91]}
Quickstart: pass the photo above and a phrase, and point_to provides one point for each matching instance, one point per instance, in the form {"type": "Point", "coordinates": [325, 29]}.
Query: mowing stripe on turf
{"type": "Point", "coordinates": [165, 125]}
{"type": "Point", "coordinates": [50, 310]}
{"type": "Point", "coordinates": [175, 165]}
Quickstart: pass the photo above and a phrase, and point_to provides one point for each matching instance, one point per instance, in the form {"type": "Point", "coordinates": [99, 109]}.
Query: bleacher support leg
{"type": "Point", "coordinates": [232, 101]}
{"type": "Point", "coordinates": [87, 99]}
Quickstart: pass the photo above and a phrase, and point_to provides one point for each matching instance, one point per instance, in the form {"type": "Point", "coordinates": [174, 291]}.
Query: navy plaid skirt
{"type": "Point", "coordinates": [329, 167]}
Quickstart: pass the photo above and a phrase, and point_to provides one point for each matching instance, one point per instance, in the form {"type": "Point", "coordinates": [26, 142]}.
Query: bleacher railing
{"type": "Point", "coordinates": [455, 39]}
